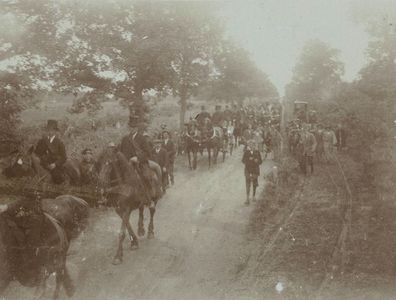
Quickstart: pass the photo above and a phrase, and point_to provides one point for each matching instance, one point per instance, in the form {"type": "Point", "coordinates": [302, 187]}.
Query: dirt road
{"type": "Point", "coordinates": [198, 250]}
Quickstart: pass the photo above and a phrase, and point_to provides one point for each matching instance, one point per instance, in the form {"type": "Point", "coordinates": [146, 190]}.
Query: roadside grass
{"type": "Point", "coordinates": [305, 247]}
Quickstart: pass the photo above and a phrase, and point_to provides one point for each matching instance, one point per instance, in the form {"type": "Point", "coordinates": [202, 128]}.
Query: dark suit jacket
{"type": "Point", "coordinates": [250, 165]}
{"type": "Point", "coordinates": [140, 149]}
{"type": "Point", "coordinates": [160, 158]}
{"type": "Point", "coordinates": [50, 153]}
{"type": "Point", "coordinates": [170, 148]}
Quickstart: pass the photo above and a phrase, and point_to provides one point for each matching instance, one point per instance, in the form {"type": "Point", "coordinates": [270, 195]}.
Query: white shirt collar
{"type": "Point", "coordinates": [166, 141]}
{"type": "Point", "coordinates": [158, 150]}
{"type": "Point", "coordinates": [134, 134]}
{"type": "Point", "coordinates": [51, 138]}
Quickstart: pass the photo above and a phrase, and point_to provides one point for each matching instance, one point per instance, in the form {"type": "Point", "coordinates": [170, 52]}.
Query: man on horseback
{"type": "Point", "coordinates": [137, 150]}
{"type": "Point", "coordinates": [217, 117]}
{"type": "Point", "coordinates": [202, 116]}
{"type": "Point", "coordinates": [52, 152]}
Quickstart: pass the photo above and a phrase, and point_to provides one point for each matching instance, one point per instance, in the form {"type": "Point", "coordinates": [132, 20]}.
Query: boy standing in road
{"type": "Point", "coordinates": [252, 160]}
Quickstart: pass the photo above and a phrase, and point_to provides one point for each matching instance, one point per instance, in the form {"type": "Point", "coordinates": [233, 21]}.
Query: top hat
{"type": "Point", "coordinates": [86, 151]}
{"type": "Point", "coordinates": [52, 124]}
{"type": "Point", "coordinates": [133, 121]}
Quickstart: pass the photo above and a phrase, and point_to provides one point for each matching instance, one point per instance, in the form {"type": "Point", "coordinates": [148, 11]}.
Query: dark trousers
{"type": "Point", "coordinates": [57, 175]}
{"type": "Point", "coordinates": [306, 160]}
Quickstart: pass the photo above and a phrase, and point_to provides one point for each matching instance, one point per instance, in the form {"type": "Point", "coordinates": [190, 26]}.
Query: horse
{"type": "Point", "coordinates": [64, 219]}
{"type": "Point", "coordinates": [212, 138]}
{"type": "Point", "coordinates": [28, 165]}
{"type": "Point", "coordinates": [123, 188]}
{"type": "Point", "coordinates": [192, 142]}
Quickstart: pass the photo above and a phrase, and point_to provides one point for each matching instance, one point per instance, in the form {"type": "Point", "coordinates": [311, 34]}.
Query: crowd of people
{"type": "Point", "coordinates": [315, 140]}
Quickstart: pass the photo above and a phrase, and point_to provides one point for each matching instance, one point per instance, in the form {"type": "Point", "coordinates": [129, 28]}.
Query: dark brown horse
{"type": "Point", "coordinates": [192, 142]}
{"type": "Point", "coordinates": [65, 217]}
{"type": "Point", "coordinates": [28, 165]}
{"type": "Point", "coordinates": [125, 191]}
{"type": "Point", "coordinates": [212, 139]}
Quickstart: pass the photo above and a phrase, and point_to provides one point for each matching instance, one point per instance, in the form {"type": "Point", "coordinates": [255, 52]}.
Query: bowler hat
{"type": "Point", "coordinates": [86, 151]}
{"type": "Point", "coordinates": [133, 121]}
{"type": "Point", "coordinates": [52, 124]}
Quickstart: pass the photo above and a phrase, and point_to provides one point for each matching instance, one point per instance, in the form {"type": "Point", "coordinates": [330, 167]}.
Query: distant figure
{"type": "Point", "coordinates": [88, 168]}
{"type": "Point", "coordinates": [202, 116]}
{"type": "Point", "coordinates": [252, 160]}
{"type": "Point", "coordinates": [70, 131]}
{"type": "Point", "coordinates": [329, 140]}
{"type": "Point", "coordinates": [341, 138]}
{"type": "Point", "coordinates": [52, 152]}
{"type": "Point", "coordinates": [309, 146]}
{"type": "Point", "coordinates": [319, 139]}
{"type": "Point", "coordinates": [217, 118]}
{"type": "Point", "coordinates": [160, 156]}
{"type": "Point", "coordinates": [94, 127]}
{"type": "Point", "coordinates": [169, 146]}
{"type": "Point", "coordinates": [118, 125]}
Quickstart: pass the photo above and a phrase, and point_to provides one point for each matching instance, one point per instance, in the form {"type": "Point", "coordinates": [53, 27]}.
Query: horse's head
{"type": "Point", "coordinates": [20, 164]}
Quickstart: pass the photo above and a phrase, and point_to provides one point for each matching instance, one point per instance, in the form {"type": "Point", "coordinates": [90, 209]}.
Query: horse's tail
{"type": "Point", "coordinates": [71, 212]}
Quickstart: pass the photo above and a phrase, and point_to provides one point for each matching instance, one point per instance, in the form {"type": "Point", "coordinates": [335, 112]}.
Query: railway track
{"type": "Point", "coordinates": [340, 252]}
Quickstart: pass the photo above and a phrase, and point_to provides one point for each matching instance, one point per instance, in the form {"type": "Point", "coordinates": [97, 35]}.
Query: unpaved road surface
{"type": "Point", "coordinates": [198, 251]}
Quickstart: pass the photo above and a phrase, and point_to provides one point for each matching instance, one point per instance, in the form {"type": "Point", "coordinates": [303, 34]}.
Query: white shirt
{"type": "Point", "coordinates": [166, 141]}
{"type": "Point", "coordinates": [51, 138]}
{"type": "Point", "coordinates": [158, 150]}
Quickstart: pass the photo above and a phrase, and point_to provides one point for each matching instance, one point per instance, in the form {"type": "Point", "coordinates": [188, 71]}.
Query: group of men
{"type": "Point", "coordinates": [319, 141]}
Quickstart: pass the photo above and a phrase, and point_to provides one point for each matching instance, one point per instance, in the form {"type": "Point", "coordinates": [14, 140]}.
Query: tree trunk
{"type": "Point", "coordinates": [183, 108]}
{"type": "Point", "coordinates": [136, 107]}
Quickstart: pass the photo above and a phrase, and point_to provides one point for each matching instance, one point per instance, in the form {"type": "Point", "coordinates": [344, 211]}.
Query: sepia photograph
{"type": "Point", "coordinates": [203, 150]}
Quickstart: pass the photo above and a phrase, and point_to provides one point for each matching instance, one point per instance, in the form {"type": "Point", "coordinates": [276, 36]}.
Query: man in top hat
{"type": "Point", "coordinates": [136, 148]}
{"type": "Point", "coordinates": [88, 168]}
{"type": "Point", "coordinates": [160, 156]}
{"type": "Point", "coordinates": [52, 152]}
{"type": "Point", "coordinates": [202, 116]}
{"type": "Point", "coordinates": [217, 118]}
{"type": "Point", "coordinates": [169, 146]}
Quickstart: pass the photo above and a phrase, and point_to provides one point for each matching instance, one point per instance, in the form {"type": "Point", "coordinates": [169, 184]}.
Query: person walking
{"type": "Point", "coordinates": [328, 142]}
{"type": "Point", "coordinates": [169, 146]}
{"type": "Point", "coordinates": [309, 144]}
{"type": "Point", "coordinates": [252, 160]}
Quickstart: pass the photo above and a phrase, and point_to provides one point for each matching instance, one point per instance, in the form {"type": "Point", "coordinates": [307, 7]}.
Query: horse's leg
{"type": "Point", "coordinates": [67, 283]}
{"type": "Point", "coordinates": [141, 230]}
{"type": "Point", "coordinates": [150, 234]}
{"type": "Point", "coordinates": [189, 158]}
{"type": "Point", "coordinates": [59, 281]}
{"type": "Point", "coordinates": [121, 236]}
{"type": "Point", "coordinates": [133, 237]}
{"type": "Point", "coordinates": [209, 156]}
{"type": "Point", "coordinates": [231, 147]}
{"type": "Point", "coordinates": [195, 154]}
{"type": "Point", "coordinates": [42, 285]}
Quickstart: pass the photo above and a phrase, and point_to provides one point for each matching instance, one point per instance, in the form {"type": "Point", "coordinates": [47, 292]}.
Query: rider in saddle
{"type": "Point", "coordinates": [217, 117]}
{"type": "Point", "coordinates": [52, 152]}
{"type": "Point", "coordinates": [137, 150]}
{"type": "Point", "coordinates": [28, 215]}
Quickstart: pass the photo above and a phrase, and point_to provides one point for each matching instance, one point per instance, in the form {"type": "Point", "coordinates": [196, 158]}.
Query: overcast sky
{"type": "Point", "coordinates": [275, 32]}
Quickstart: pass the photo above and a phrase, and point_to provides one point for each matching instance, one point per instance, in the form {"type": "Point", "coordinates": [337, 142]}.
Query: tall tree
{"type": "Point", "coordinates": [316, 75]}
